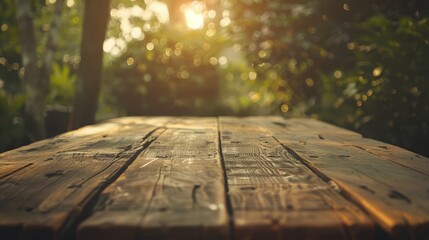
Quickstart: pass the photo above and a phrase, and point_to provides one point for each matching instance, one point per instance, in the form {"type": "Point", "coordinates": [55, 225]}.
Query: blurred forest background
{"type": "Point", "coordinates": [359, 64]}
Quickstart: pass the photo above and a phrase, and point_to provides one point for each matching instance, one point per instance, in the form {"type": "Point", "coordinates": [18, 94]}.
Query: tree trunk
{"type": "Point", "coordinates": [34, 87]}
{"type": "Point", "coordinates": [88, 83]}
{"type": "Point", "coordinates": [35, 82]}
{"type": "Point", "coordinates": [51, 46]}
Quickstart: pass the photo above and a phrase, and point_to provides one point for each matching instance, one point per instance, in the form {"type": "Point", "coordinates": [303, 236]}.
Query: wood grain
{"type": "Point", "coordinates": [310, 129]}
{"type": "Point", "coordinates": [173, 190]}
{"type": "Point", "coordinates": [275, 196]}
{"type": "Point", "coordinates": [46, 186]}
{"type": "Point", "coordinates": [390, 183]}
{"type": "Point", "coordinates": [213, 178]}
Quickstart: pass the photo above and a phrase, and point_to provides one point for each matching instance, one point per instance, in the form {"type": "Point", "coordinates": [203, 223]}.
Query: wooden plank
{"type": "Point", "coordinates": [310, 129]}
{"type": "Point", "coordinates": [393, 190]}
{"type": "Point", "coordinates": [275, 196]}
{"type": "Point", "coordinates": [173, 190]}
{"type": "Point", "coordinates": [48, 185]}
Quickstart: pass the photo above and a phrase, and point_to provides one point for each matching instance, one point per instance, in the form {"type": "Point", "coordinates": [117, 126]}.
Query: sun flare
{"type": "Point", "coordinates": [194, 15]}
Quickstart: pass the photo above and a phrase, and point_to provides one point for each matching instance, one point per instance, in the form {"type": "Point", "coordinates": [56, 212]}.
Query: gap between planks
{"type": "Point", "coordinates": [174, 189]}
{"type": "Point", "coordinates": [94, 197]}
{"type": "Point", "coordinates": [55, 216]}
{"type": "Point", "coordinates": [294, 149]}
{"type": "Point", "coordinates": [389, 183]}
{"type": "Point", "coordinates": [275, 196]}
{"type": "Point", "coordinates": [225, 178]}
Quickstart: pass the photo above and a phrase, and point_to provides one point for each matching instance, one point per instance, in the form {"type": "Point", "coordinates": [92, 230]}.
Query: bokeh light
{"type": "Point", "coordinates": [194, 14]}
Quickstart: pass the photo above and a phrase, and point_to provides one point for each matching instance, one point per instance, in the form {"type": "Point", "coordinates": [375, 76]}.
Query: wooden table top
{"type": "Point", "coordinates": [213, 178]}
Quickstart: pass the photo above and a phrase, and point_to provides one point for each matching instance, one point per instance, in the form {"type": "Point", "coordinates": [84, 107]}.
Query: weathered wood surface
{"type": "Point", "coordinates": [173, 190]}
{"type": "Point", "coordinates": [46, 187]}
{"type": "Point", "coordinates": [213, 178]}
{"type": "Point", "coordinates": [275, 196]}
{"type": "Point", "coordinates": [391, 184]}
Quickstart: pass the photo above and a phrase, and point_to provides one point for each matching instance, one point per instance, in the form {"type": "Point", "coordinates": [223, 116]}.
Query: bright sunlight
{"type": "Point", "coordinates": [194, 14]}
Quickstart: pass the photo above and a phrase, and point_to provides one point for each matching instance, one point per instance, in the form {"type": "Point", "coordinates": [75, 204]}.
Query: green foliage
{"type": "Point", "coordinates": [386, 94]}
{"type": "Point", "coordinates": [11, 121]}
{"type": "Point", "coordinates": [170, 69]}
{"type": "Point", "coordinates": [358, 64]}
{"type": "Point", "coordinates": [61, 86]}
{"type": "Point", "coordinates": [147, 82]}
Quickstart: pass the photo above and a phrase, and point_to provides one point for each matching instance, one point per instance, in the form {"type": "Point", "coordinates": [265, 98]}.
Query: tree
{"type": "Point", "coordinates": [35, 82]}
{"type": "Point", "coordinates": [96, 15]}
{"type": "Point", "coordinates": [344, 61]}
{"type": "Point", "coordinates": [168, 68]}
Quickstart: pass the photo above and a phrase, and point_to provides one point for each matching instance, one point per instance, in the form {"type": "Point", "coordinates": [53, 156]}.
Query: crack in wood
{"type": "Point", "coordinates": [57, 173]}
{"type": "Point", "coordinates": [266, 178]}
{"type": "Point", "coordinates": [397, 195]}
{"type": "Point", "coordinates": [229, 208]}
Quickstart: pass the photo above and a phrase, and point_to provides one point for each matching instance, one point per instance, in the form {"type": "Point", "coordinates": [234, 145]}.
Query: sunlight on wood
{"type": "Point", "coordinates": [90, 130]}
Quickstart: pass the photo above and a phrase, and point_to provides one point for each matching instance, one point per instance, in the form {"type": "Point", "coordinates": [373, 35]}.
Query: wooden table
{"type": "Point", "coordinates": [213, 178]}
